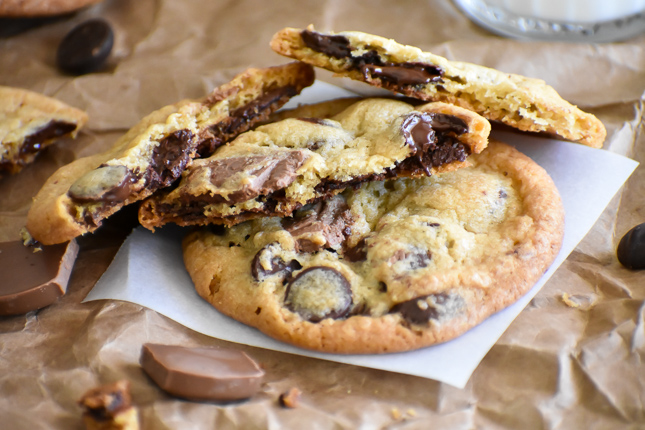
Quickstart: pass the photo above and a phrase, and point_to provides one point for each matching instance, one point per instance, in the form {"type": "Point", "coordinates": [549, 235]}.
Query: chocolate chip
{"type": "Point", "coordinates": [275, 263]}
{"type": "Point", "coordinates": [107, 184]}
{"type": "Point", "coordinates": [425, 308]}
{"type": "Point", "coordinates": [86, 47]}
{"type": "Point", "coordinates": [169, 158]}
{"type": "Point", "coordinates": [358, 252]}
{"type": "Point", "coordinates": [403, 74]}
{"type": "Point", "coordinates": [415, 258]}
{"type": "Point", "coordinates": [318, 293]}
{"type": "Point", "coordinates": [631, 248]}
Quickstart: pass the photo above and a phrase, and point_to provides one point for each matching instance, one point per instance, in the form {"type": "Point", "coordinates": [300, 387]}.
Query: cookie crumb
{"type": "Point", "coordinates": [396, 413]}
{"type": "Point", "coordinates": [579, 301]}
{"type": "Point", "coordinates": [411, 412]}
{"type": "Point", "coordinates": [290, 398]}
{"type": "Point", "coordinates": [108, 407]}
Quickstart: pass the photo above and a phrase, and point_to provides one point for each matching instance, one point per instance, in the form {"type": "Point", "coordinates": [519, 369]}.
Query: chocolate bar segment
{"type": "Point", "coordinates": [202, 373]}
{"type": "Point", "coordinates": [32, 278]}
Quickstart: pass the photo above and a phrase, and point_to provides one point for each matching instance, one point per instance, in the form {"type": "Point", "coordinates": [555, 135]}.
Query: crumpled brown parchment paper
{"type": "Point", "coordinates": [572, 359]}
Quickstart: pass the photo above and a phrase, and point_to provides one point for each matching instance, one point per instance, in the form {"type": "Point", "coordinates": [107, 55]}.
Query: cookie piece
{"type": "Point", "coordinates": [29, 122]}
{"type": "Point", "coordinates": [524, 103]}
{"type": "Point", "coordinates": [109, 407]}
{"type": "Point", "coordinates": [394, 266]}
{"type": "Point", "coordinates": [26, 8]}
{"type": "Point", "coordinates": [153, 153]}
{"type": "Point", "coordinates": [281, 166]}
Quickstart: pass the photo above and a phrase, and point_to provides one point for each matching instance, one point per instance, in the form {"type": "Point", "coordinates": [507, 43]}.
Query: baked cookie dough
{"type": "Point", "coordinates": [26, 8]}
{"type": "Point", "coordinates": [29, 122]}
{"type": "Point", "coordinates": [153, 153]}
{"type": "Point", "coordinates": [281, 166]}
{"type": "Point", "coordinates": [520, 102]}
{"type": "Point", "coordinates": [394, 266]}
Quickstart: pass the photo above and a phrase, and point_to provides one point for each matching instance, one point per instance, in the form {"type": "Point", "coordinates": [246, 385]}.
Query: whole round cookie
{"type": "Point", "coordinates": [23, 8]}
{"type": "Point", "coordinates": [393, 266]}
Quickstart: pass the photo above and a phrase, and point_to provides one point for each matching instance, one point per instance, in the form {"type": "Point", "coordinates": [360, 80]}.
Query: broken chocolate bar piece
{"type": "Point", "coordinates": [154, 153]}
{"type": "Point", "coordinates": [282, 166]}
{"type": "Point", "coordinates": [109, 407]}
{"type": "Point", "coordinates": [33, 277]}
{"type": "Point", "coordinates": [202, 373]}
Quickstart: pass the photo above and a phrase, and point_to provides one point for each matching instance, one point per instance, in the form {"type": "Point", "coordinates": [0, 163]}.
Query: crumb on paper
{"type": "Point", "coordinates": [396, 413]}
{"type": "Point", "coordinates": [566, 299]}
{"type": "Point", "coordinates": [579, 301]}
{"type": "Point", "coordinates": [290, 398]}
{"type": "Point", "coordinates": [411, 412]}
{"type": "Point", "coordinates": [108, 407]}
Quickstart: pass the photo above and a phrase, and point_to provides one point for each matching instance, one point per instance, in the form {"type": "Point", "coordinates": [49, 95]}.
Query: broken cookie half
{"type": "Point", "coordinates": [520, 102]}
{"type": "Point", "coordinates": [29, 122]}
{"type": "Point", "coordinates": [153, 153]}
{"type": "Point", "coordinates": [279, 167]}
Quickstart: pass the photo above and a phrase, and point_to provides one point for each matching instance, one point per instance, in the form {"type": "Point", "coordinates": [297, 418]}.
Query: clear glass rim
{"type": "Point", "coordinates": [509, 24]}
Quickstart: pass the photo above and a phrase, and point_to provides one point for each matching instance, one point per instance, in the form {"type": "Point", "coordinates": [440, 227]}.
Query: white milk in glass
{"type": "Point", "coordinates": [561, 20]}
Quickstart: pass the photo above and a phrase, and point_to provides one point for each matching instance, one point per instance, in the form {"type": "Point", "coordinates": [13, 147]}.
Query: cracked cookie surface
{"type": "Point", "coordinates": [393, 266]}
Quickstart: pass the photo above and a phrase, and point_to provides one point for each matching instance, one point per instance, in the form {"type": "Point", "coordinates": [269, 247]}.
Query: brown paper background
{"type": "Point", "coordinates": [556, 367]}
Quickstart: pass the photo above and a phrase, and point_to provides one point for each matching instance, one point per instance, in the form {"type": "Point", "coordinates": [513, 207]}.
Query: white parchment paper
{"type": "Point", "coordinates": [148, 269]}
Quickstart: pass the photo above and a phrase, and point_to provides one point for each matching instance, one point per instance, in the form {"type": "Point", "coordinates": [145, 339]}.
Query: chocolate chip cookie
{"type": "Point", "coordinates": [282, 166]}
{"type": "Point", "coordinates": [26, 8]}
{"type": "Point", "coordinates": [393, 266]}
{"type": "Point", "coordinates": [154, 153]}
{"type": "Point", "coordinates": [29, 122]}
{"type": "Point", "coordinates": [524, 103]}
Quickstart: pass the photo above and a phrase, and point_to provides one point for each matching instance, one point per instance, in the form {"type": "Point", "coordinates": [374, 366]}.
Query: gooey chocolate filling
{"type": "Point", "coordinates": [33, 143]}
{"type": "Point", "coordinates": [432, 137]}
{"type": "Point", "coordinates": [370, 64]}
{"type": "Point", "coordinates": [243, 118]}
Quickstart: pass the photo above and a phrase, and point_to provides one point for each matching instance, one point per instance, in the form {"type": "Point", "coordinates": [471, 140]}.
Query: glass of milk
{"type": "Point", "coordinates": [559, 20]}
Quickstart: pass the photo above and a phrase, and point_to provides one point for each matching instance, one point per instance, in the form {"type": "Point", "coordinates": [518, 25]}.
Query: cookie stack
{"type": "Point", "coordinates": [351, 226]}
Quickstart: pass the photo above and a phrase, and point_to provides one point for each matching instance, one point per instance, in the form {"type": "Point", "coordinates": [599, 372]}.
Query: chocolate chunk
{"type": "Point", "coordinates": [319, 292]}
{"type": "Point", "coordinates": [265, 263]}
{"type": "Point", "coordinates": [430, 137]}
{"type": "Point", "coordinates": [631, 248]}
{"type": "Point", "coordinates": [357, 253]}
{"type": "Point", "coordinates": [107, 184]}
{"type": "Point", "coordinates": [430, 307]}
{"type": "Point", "coordinates": [413, 259]}
{"type": "Point", "coordinates": [106, 402]}
{"type": "Point", "coordinates": [243, 118]}
{"type": "Point", "coordinates": [322, 225]}
{"type": "Point", "coordinates": [244, 178]}
{"type": "Point", "coordinates": [202, 373]}
{"type": "Point", "coordinates": [403, 74]}
{"type": "Point", "coordinates": [52, 130]}
{"type": "Point", "coordinates": [336, 46]}
{"type": "Point", "coordinates": [86, 47]}
{"type": "Point", "coordinates": [169, 158]}
{"type": "Point", "coordinates": [33, 280]}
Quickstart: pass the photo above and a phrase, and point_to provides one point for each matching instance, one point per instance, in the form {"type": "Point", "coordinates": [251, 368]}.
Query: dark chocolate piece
{"type": "Point", "coordinates": [403, 74]}
{"type": "Point", "coordinates": [243, 118]}
{"type": "Point", "coordinates": [319, 292]}
{"type": "Point", "coordinates": [32, 280]}
{"type": "Point", "coordinates": [202, 373]}
{"type": "Point", "coordinates": [169, 158]}
{"type": "Point", "coordinates": [631, 248]}
{"type": "Point", "coordinates": [107, 184]}
{"type": "Point", "coordinates": [415, 258]}
{"type": "Point", "coordinates": [86, 47]}
{"type": "Point", "coordinates": [430, 307]}
{"type": "Point", "coordinates": [357, 253]}
{"type": "Point", "coordinates": [277, 264]}
{"type": "Point", "coordinates": [331, 218]}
